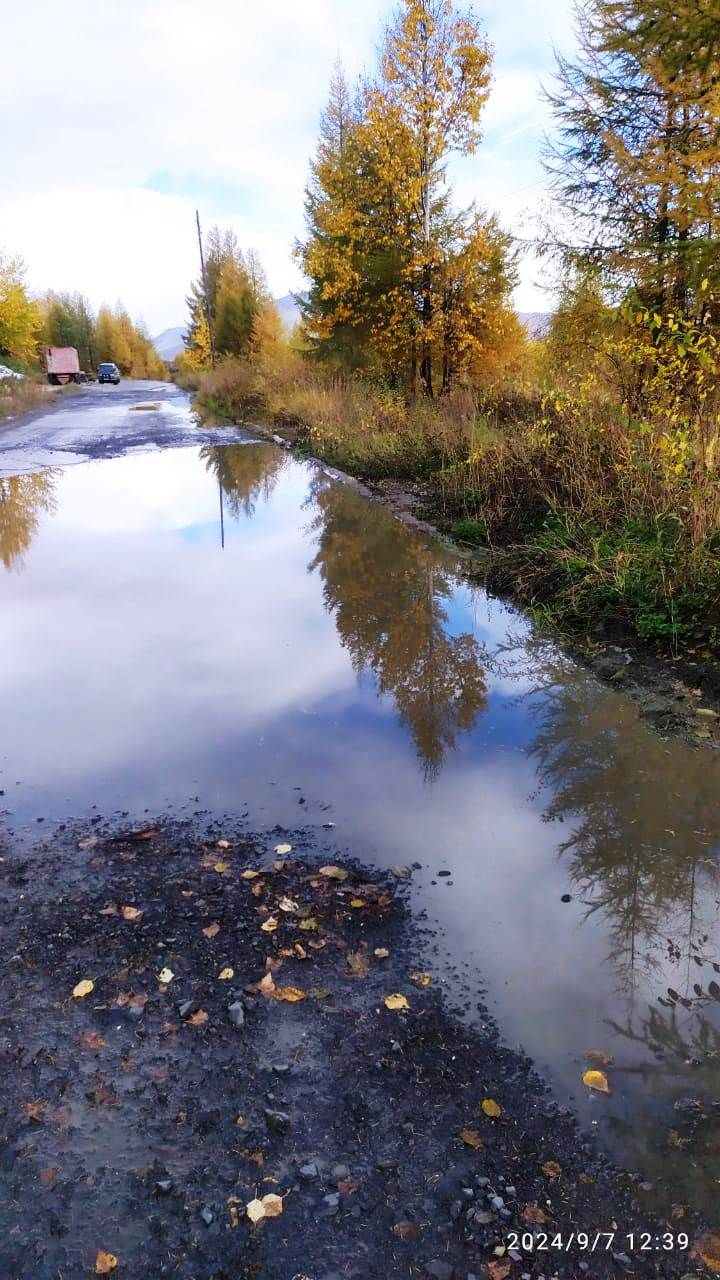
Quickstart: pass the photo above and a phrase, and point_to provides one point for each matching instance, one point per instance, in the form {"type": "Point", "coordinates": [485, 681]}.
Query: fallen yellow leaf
{"type": "Point", "coordinates": [308, 923]}
{"type": "Point", "coordinates": [220, 867]}
{"type": "Point", "coordinates": [270, 925]}
{"type": "Point", "coordinates": [105, 1263]}
{"type": "Point", "coordinates": [198, 1019]}
{"type": "Point", "coordinates": [596, 1080]}
{"type": "Point", "coordinates": [551, 1169]}
{"type": "Point", "coordinates": [381, 953]}
{"type": "Point", "coordinates": [282, 848]}
{"type": "Point", "coordinates": [83, 988]}
{"type": "Point", "coordinates": [267, 985]}
{"type": "Point", "coordinates": [249, 875]}
{"type": "Point", "coordinates": [357, 902]}
{"type": "Point", "coordinates": [291, 994]}
{"type": "Point", "coordinates": [396, 1001]}
{"type": "Point", "coordinates": [222, 844]}
{"type": "Point", "coordinates": [131, 913]}
{"type": "Point", "coordinates": [334, 873]}
{"type": "Point", "coordinates": [471, 1138]}
{"type": "Point", "coordinates": [271, 1206]}
{"type": "Point", "coordinates": [287, 904]}
{"type": "Point", "coordinates": [422, 979]}
{"type": "Point", "coordinates": [491, 1108]}
{"type": "Point", "coordinates": [212, 931]}
{"type": "Point", "coordinates": [166, 975]}
{"type": "Point", "coordinates": [226, 973]}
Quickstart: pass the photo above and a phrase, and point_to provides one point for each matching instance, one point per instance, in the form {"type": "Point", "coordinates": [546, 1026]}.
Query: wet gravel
{"type": "Point", "coordinates": [237, 1044]}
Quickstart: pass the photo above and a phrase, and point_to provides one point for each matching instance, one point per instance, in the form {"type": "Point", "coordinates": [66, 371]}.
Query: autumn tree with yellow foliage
{"type": "Point", "coordinates": [401, 282]}
{"type": "Point", "coordinates": [19, 315]}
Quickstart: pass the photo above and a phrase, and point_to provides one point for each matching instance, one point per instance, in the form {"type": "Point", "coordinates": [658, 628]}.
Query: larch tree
{"type": "Point", "coordinates": [433, 84]}
{"type": "Point", "coordinates": [636, 160]}
{"type": "Point", "coordinates": [401, 283]}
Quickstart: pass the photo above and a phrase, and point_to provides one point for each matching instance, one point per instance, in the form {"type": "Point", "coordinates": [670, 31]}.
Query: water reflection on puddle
{"type": "Point", "coordinates": [229, 624]}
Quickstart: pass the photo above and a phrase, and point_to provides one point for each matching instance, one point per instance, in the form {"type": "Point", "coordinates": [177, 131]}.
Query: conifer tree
{"type": "Point", "coordinates": [637, 158]}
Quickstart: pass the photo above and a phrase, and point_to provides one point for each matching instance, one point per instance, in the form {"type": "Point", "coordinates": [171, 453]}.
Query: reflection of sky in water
{"type": "Point", "coordinates": [142, 665]}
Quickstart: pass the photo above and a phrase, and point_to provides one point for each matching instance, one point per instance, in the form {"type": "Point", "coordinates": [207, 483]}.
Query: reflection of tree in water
{"type": "Point", "coordinates": [645, 821]}
{"type": "Point", "coordinates": [23, 499]}
{"type": "Point", "coordinates": [387, 591]}
{"type": "Point", "coordinates": [683, 1156]}
{"type": "Point", "coordinates": [246, 473]}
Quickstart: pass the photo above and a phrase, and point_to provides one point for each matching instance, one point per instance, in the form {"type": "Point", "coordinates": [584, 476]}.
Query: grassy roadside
{"type": "Point", "coordinates": [20, 395]}
{"type": "Point", "coordinates": [598, 535]}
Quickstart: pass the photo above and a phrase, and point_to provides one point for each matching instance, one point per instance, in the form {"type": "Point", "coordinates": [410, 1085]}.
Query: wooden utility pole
{"type": "Point", "coordinates": [205, 291]}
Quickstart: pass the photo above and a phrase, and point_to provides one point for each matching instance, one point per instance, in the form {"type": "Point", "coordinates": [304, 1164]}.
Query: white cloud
{"type": "Point", "coordinates": [120, 117]}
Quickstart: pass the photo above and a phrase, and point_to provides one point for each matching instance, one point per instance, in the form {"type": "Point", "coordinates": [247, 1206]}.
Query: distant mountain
{"type": "Point", "coordinates": [289, 310]}
{"type": "Point", "coordinates": [169, 343]}
{"type": "Point", "coordinates": [537, 323]}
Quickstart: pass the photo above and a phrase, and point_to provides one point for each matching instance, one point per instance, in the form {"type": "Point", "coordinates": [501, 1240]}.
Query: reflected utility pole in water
{"type": "Point", "coordinates": [222, 518]}
{"type": "Point", "coordinates": [205, 291]}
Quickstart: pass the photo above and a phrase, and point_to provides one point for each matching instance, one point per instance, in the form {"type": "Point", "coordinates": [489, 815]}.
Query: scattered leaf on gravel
{"type": "Point", "coordinates": [270, 925]}
{"type": "Point", "coordinates": [197, 1019]}
{"type": "Point", "coordinates": [105, 1263]}
{"type": "Point", "coordinates": [221, 867]}
{"type": "Point", "coordinates": [357, 902]}
{"type": "Point", "coordinates": [92, 1040]}
{"type": "Point", "coordinates": [282, 848]}
{"type": "Point", "coordinates": [309, 923]}
{"type": "Point", "coordinates": [287, 904]}
{"type": "Point", "coordinates": [358, 962]}
{"type": "Point", "coordinates": [532, 1213]}
{"type": "Point", "coordinates": [166, 975]}
{"type": "Point", "coordinates": [422, 979]}
{"type": "Point", "coordinates": [381, 953]}
{"type": "Point", "coordinates": [405, 1230]}
{"type": "Point", "coordinates": [271, 1206]}
{"type": "Point", "coordinates": [491, 1108]}
{"type": "Point", "coordinates": [249, 875]}
{"type": "Point", "coordinates": [551, 1169]}
{"type": "Point", "coordinates": [226, 973]}
{"type": "Point", "coordinates": [708, 1249]}
{"type": "Point", "coordinates": [83, 988]}
{"type": "Point", "coordinates": [212, 930]}
{"type": "Point", "coordinates": [471, 1138]}
{"type": "Point", "coordinates": [35, 1110]}
{"type": "Point", "coordinates": [222, 844]}
{"type": "Point", "coordinates": [498, 1270]}
{"type": "Point", "coordinates": [596, 1080]}
{"type": "Point", "coordinates": [334, 873]}
{"type": "Point", "coordinates": [109, 911]}
{"type": "Point", "coordinates": [396, 1001]}
{"type": "Point", "coordinates": [266, 986]}
{"type": "Point", "coordinates": [131, 913]}
{"type": "Point", "coordinates": [290, 994]}
{"type": "Point", "coordinates": [142, 833]}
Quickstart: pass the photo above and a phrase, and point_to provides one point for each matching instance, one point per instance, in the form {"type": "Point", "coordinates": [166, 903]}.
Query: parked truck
{"type": "Point", "coordinates": [63, 365]}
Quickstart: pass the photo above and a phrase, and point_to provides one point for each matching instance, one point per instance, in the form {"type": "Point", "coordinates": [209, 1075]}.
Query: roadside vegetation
{"type": "Point", "coordinates": [28, 324]}
{"type": "Point", "coordinates": [590, 456]}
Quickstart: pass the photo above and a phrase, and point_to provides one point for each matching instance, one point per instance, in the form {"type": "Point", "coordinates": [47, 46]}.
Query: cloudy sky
{"type": "Point", "coordinates": [119, 117]}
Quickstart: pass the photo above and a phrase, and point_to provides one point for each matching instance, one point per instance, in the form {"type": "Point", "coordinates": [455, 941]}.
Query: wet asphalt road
{"type": "Point", "coordinates": [103, 422]}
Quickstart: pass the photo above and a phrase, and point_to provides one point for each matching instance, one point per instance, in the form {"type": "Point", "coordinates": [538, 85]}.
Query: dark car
{"type": "Point", "coordinates": [108, 373]}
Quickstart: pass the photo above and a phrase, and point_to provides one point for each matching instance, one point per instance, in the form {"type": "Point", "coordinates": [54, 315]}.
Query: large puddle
{"type": "Point", "coordinates": [227, 629]}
